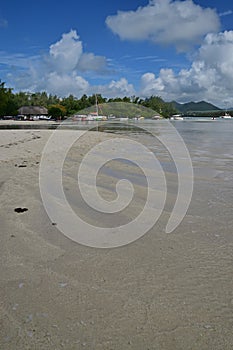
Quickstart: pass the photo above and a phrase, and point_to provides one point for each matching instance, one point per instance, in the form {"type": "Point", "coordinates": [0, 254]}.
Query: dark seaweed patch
{"type": "Point", "coordinates": [21, 210]}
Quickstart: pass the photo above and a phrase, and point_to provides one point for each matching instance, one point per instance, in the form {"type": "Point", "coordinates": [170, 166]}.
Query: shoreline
{"type": "Point", "coordinates": [28, 122]}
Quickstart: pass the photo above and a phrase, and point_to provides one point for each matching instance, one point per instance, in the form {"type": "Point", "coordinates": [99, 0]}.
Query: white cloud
{"type": "Point", "coordinates": [60, 71]}
{"type": "Point", "coordinates": [91, 62]}
{"type": "Point", "coordinates": [65, 68]}
{"type": "Point", "coordinates": [210, 76]}
{"type": "Point", "coordinates": [69, 83]}
{"type": "Point", "coordinates": [17, 60]}
{"type": "Point", "coordinates": [116, 88]}
{"type": "Point", "coordinates": [65, 54]}
{"type": "Point", "coordinates": [226, 13]}
{"type": "Point", "coordinates": [121, 87]}
{"type": "Point", "coordinates": [180, 23]}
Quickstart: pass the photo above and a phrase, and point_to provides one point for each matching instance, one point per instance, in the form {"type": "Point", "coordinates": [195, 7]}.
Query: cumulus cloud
{"type": "Point", "coordinates": [116, 88]}
{"type": "Point", "coordinates": [209, 77]}
{"type": "Point", "coordinates": [91, 62]}
{"type": "Point", "coordinates": [66, 67]}
{"type": "Point", "coordinates": [180, 23]}
{"type": "Point", "coordinates": [65, 54]}
{"type": "Point", "coordinates": [121, 88]}
{"type": "Point", "coordinates": [69, 83]}
{"type": "Point", "coordinates": [60, 71]}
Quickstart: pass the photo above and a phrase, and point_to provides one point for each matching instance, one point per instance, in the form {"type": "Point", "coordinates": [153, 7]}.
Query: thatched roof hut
{"type": "Point", "coordinates": [32, 110]}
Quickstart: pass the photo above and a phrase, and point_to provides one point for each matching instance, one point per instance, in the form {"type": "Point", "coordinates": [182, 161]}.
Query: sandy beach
{"type": "Point", "coordinates": [164, 291]}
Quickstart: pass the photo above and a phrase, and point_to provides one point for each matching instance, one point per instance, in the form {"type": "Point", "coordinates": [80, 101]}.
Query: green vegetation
{"type": "Point", "coordinates": [59, 107]}
{"type": "Point", "coordinates": [194, 107]}
{"type": "Point", "coordinates": [7, 101]}
{"type": "Point", "coordinates": [132, 106]}
{"type": "Point", "coordinates": [57, 111]}
{"type": "Point", "coordinates": [121, 109]}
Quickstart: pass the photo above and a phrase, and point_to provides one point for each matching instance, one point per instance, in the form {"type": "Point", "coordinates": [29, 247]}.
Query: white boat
{"type": "Point", "coordinates": [138, 118]}
{"type": "Point", "coordinates": [177, 117]}
{"type": "Point", "coordinates": [93, 116]}
{"type": "Point", "coordinates": [226, 116]}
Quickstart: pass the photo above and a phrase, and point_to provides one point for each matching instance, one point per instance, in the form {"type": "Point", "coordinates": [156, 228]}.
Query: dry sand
{"type": "Point", "coordinates": [164, 291]}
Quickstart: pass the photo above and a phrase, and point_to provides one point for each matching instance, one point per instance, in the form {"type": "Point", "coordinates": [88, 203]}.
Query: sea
{"type": "Point", "coordinates": [204, 144]}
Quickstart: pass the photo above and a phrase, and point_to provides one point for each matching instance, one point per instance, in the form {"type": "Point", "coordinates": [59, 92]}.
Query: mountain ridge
{"type": "Point", "coordinates": [201, 106]}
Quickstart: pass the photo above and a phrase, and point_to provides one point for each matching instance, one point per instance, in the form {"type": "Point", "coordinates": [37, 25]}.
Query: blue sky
{"type": "Point", "coordinates": [179, 50]}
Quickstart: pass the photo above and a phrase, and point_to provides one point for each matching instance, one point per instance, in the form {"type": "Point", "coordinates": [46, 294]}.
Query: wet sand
{"type": "Point", "coordinates": [164, 291]}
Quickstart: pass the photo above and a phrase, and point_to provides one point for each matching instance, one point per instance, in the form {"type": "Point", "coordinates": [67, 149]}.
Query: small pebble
{"type": "Point", "coordinates": [15, 307]}
{"type": "Point", "coordinates": [207, 326]}
{"type": "Point", "coordinates": [63, 284]}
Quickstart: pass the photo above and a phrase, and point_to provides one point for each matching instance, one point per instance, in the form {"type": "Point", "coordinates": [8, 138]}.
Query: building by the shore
{"type": "Point", "coordinates": [33, 112]}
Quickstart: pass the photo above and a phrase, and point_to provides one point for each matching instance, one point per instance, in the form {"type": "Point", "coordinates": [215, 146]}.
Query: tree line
{"type": "Point", "coordinates": [10, 102]}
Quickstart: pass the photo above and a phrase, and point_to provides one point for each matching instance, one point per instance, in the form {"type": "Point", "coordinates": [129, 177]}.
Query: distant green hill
{"type": "Point", "coordinates": [121, 109]}
{"type": "Point", "coordinates": [190, 107]}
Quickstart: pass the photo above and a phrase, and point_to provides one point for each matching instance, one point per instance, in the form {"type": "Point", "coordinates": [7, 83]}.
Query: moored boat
{"type": "Point", "coordinates": [177, 117]}
{"type": "Point", "coordinates": [226, 116]}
